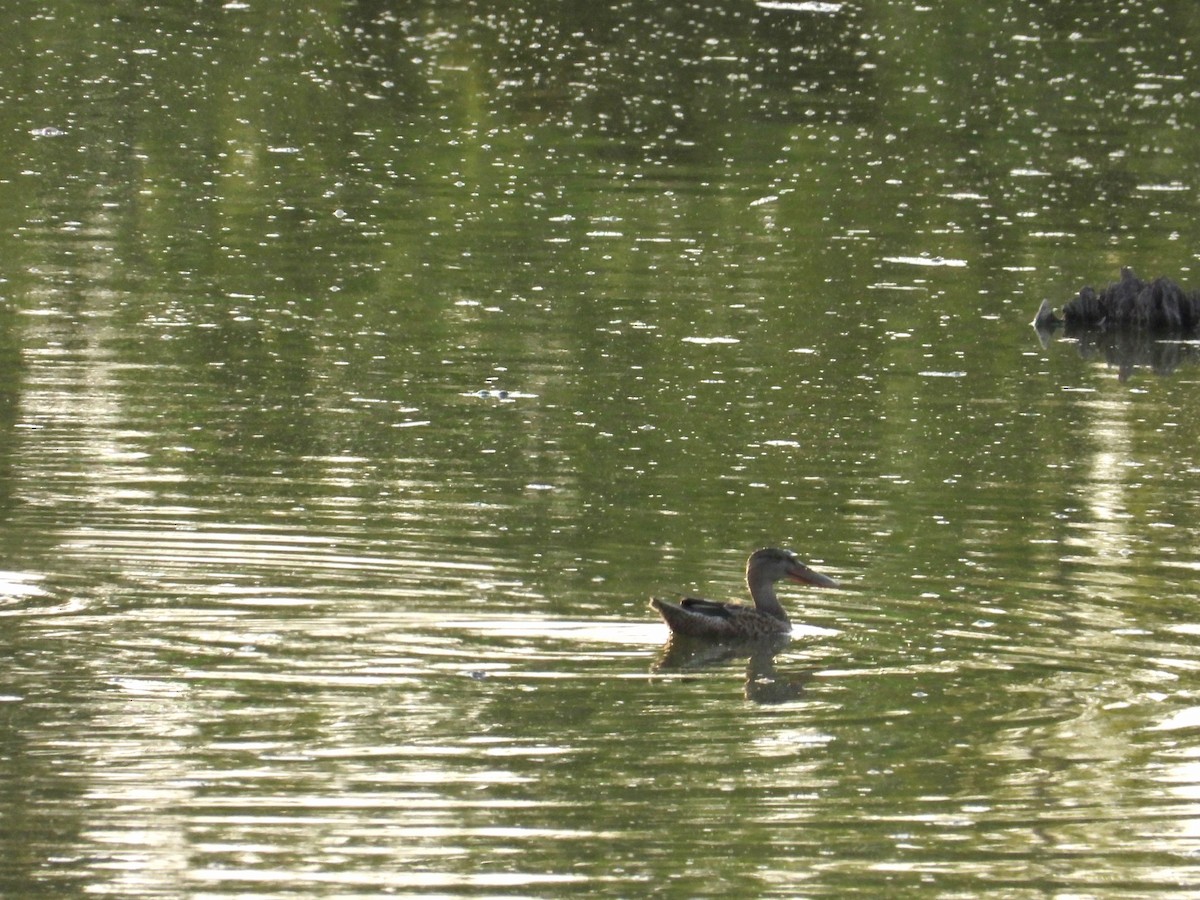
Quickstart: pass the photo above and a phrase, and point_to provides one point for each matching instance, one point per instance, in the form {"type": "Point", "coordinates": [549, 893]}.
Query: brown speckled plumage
{"type": "Point", "coordinates": [736, 621]}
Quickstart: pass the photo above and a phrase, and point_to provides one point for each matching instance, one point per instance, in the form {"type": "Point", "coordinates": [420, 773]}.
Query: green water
{"type": "Point", "coordinates": [365, 367]}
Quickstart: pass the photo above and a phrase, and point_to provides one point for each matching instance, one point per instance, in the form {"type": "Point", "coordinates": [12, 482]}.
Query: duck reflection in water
{"type": "Point", "coordinates": [706, 632]}
{"type": "Point", "coordinates": [764, 682]}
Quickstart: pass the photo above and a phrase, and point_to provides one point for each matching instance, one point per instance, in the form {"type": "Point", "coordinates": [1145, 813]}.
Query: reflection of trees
{"type": "Point", "coordinates": [657, 79]}
{"type": "Point", "coordinates": [301, 202]}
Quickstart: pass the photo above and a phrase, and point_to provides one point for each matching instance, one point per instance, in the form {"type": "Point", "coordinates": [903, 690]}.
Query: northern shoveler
{"type": "Point", "coordinates": [736, 621]}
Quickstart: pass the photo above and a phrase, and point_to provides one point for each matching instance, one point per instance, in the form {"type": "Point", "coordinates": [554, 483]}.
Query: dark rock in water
{"type": "Point", "coordinates": [1132, 324]}
{"type": "Point", "coordinates": [1160, 305]}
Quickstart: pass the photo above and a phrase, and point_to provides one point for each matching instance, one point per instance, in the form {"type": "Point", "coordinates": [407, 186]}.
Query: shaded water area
{"type": "Point", "coordinates": [365, 367]}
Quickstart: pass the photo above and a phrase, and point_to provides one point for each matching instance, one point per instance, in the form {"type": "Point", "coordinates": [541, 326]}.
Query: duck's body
{"type": "Point", "coordinates": [736, 621]}
{"type": "Point", "coordinates": [698, 618]}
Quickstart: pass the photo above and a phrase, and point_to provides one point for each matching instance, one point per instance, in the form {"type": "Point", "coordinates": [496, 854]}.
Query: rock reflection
{"type": "Point", "coordinates": [1124, 349]}
{"type": "Point", "coordinates": [764, 682]}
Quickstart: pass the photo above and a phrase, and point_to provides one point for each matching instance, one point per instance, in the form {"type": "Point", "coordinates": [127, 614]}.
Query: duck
{"type": "Point", "coordinates": [712, 620]}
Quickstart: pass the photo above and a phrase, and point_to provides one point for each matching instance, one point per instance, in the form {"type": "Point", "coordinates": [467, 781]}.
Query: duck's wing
{"type": "Point", "coordinates": [729, 620]}
{"type": "Point", "coordinates": [712, 608]}
{"type": "Point", "coordinates": [697, 618]}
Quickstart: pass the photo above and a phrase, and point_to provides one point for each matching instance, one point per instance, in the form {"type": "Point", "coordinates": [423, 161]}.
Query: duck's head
{"type": "Point", "coordinates": [773, 564]}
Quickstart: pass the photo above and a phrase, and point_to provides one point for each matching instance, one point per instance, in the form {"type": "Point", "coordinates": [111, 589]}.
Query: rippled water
{"type": "Point", "coordinates": [365, 371]}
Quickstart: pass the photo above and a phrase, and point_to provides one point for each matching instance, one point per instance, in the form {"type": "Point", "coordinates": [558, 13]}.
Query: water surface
{"type": "Point", "coordinates": [366, 369]}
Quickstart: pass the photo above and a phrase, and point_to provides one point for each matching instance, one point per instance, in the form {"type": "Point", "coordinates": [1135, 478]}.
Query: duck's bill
{"type": "Point", "coordinates": [805, 575]}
